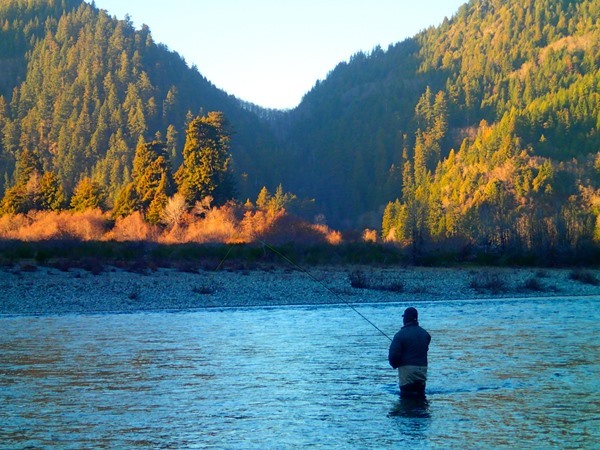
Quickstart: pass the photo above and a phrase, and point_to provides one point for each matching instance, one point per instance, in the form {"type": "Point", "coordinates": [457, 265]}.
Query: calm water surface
{"type": "Point", "coordinates": [522, 373]}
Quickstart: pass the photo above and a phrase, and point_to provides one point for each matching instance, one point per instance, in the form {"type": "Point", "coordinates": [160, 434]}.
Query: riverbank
{"type": "Point", "coordinates": [29, 289]}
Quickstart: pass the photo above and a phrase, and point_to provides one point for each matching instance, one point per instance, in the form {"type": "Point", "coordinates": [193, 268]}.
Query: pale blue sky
{"type": "Point", "coordinates": [271, 52]}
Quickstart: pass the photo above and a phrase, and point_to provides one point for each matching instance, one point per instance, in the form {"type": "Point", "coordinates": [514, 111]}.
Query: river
{"type": "Point", "coordinates": [503, 374]}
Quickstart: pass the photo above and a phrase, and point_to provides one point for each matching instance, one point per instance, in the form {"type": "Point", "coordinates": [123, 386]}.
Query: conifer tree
{"type": "Point", "coordinates": [88, 194]}
{"type": "Point", "coordinates": [26, 194]}
{"type": "Point", "coordinates": [152, 172]}
{"type": "Point", "coordinates": [151, 185]}
{"type": "Point", "coordinates": [390, 225]}
{"type": "Point", "coordinates": [282, 200]}
{"type": "Point", "coordinates": [28, 163]}
{"type": "Point", "coordinates": [158, 203]}
{"type": "Point", "coordinates": [262, 201]}
{"type": "Point", "coordinates": [206, 167]}
{"type": "Point", "coordinates": [52, 195]}
{"type": "Point", "coordinates": [15, 200]}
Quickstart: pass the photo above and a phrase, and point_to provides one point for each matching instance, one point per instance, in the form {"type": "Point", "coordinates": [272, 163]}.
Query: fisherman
{"type": "Point", "coordinates": [408, 354]}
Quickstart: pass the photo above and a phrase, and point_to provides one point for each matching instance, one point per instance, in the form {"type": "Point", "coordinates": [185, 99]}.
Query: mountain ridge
{"type": "Point", "coordinates": [511, 84]}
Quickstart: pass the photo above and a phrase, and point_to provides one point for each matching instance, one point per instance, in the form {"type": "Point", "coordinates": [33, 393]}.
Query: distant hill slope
{"type": "Point", "coordinates": [80, 87]}
{"type": "Point", "coordinates": [538, 59]}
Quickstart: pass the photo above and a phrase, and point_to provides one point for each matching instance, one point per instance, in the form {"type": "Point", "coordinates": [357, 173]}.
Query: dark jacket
{"type": "Point", "coordinates": [409, 346]}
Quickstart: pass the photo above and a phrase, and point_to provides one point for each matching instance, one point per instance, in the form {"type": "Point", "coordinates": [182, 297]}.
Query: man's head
{"type": "Point", "coordinates": [410, 315]}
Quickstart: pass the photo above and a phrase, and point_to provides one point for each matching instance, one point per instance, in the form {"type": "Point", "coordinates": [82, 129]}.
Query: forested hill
{"type": "Point", "coordinates": [493, 117]}
{"type": "Point", "coordinates": [484, 129]}
{"type": "Point", "coordinates": [79, 89]}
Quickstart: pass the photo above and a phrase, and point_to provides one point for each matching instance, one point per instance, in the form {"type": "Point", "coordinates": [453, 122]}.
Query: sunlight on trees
{"type": "Point", "coordinates": [482, 132]}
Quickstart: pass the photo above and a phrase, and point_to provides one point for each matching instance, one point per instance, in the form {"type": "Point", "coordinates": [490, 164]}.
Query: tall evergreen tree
{"type": "Point", "coordinates": [152, 182]}
{"type": "Point", "coordinates": [88, 194]}
{"type": "Point", "coordinates": [206, 168]}
{"type": "Point", "coordinates": [52, 195]}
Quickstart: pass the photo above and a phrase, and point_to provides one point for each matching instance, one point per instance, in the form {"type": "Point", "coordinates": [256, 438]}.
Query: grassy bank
{"type": "Point", "coordinates": [141, 256]}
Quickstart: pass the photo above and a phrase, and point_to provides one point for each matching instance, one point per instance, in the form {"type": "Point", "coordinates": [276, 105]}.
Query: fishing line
{"type": "Point", "coordinates": [224, 257]}
{"type": "Point", "coordinates": [302, 269]}
{"type": "Point", "coordinates": [339, 297]}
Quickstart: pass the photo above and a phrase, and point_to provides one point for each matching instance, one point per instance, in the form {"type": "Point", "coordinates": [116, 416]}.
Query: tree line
{"type": "Point", "coordinates": [205, 172]}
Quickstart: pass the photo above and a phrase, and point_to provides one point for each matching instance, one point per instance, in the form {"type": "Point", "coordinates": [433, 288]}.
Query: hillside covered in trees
{"type": "Point", "coordinates": [80, 90]}
{"type": "Point", "coordinates": [483, 131]}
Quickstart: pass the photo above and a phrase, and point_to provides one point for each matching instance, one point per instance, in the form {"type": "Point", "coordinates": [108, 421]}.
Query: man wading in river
{"type": "Point", "coordinates": [408, 354]}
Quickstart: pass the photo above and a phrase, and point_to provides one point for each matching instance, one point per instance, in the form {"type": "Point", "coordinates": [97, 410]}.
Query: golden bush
{"type": "Point", "coordinates": [133, 228]}
{"type": "Point", "coordinates": [226, 225]}
{"type": "Point", "coordinates": [219, 225]}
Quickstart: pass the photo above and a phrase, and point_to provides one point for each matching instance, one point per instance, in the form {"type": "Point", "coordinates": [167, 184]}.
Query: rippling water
{"type": "Point", "coordinates": [522, 373]}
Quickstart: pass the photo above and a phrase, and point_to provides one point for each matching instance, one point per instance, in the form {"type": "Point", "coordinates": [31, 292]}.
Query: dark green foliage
{"type": "Point", "coordinates": [28, 164]}
{"type": "Point", "coordinates": [16, 200]}
{"type": "Point", "coordinates": [529, 68]}
{"type": "Point", "coordinates": [126, 202]}
{"type": "Point", "coordinates": [157, 205]}
{"type": "Point", "coordinates": [152, 173]}
{"type": "Point", "coordinates": [151, 186]}
{"type": "Point", "coordinates": [206, 170]}
{"type": "Point", "coordinates": [34, 189]}
{"type": "Point", "coordinates": [142, 256]}
{"type": "Point", "coordinates": [52, 196]}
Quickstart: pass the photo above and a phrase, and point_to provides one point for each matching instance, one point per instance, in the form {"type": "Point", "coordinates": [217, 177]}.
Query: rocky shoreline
{"type": "Point", "coordinates": [36, 290]}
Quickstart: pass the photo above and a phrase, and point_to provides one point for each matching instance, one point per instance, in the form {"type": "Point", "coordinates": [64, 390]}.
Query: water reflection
{"type": "Point", "coordinates": [411, 408]}
{"type": "Point", "coordinates": [412, 419]}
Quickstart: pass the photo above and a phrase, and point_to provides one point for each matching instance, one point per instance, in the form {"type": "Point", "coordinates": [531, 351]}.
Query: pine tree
{"type": "Point", "coordinates": [28, 163]}
{"type": "Point", "coordinates": [390, 225]}
{"type": "Point", "coordinates": [281, 200]}
{"type": "Point", "coordinates": [52, 195]}
{"type": "Point", "coordinates": [88, 195]}
{"type": "Point", "coordinates": [127, 201]}
{"type": "Point", "coordinates": [263, 199]}
{"type": "Point", "coordinates": [158, 203]}
{"type": "Point", "coordinates": [151, 172]}
{"type": "Point", "coordinates": [16, 200]}
{"type": "Point", "coordinates": [206, 161]}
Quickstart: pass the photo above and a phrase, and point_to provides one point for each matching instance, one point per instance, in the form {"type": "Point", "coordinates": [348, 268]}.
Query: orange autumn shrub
{"type": "Point", "coordinates": [332, 237]}
{"type": "Point", "coordinates": [174, 234]}
{"type": "Point", "coordinates": [133, 228]}
{"type": "Point", "coordinates": [46, 225]}
{"type": "Point", "coordinates": [219, 225]}
{"type": "Point", "coordinates": [10, 225]}
{"type": "Point", "coordinates": [284, 229]}
{"type": "Point", "coordinates": [369, 236]}
{"type": "Point", "coordinates": [88, 225]}
{"type": "Point", "coordinates": [228, 224]}
{"type": "Point", "coordinates": [42, 226]}
{"type": "Point", "coordinates": [256, 224]}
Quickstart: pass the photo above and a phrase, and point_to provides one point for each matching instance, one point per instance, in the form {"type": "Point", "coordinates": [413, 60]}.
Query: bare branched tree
{"type": "Point", "coordinates": [174, 210]}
